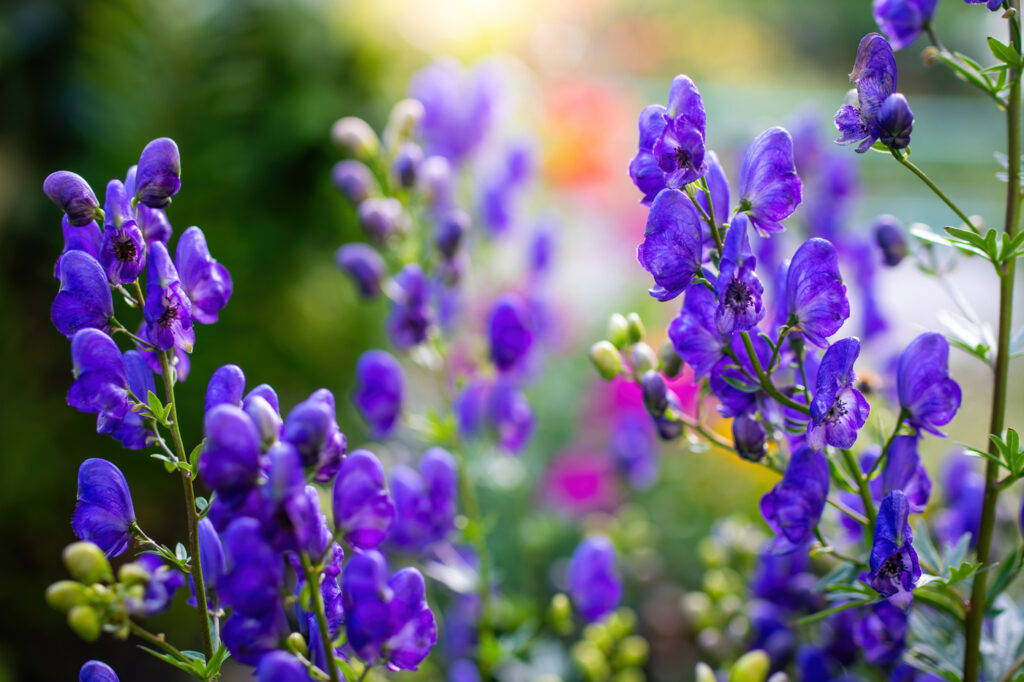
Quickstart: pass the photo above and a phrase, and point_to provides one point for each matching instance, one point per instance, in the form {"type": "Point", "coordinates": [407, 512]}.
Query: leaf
{"type": "Point", "coordinates": [154, 404]}
{"type": "Point", "coordinates": [962, 572]}
{"type": "Point", "coordinates": [202, 503]}
{"type": "Point", "coordinates": [180, 553]}
{"type": "Point", "coordinates": [171, 660]}
{"type": "Point", "coordinates": [1009, 569]}
{"type": "Point", "coordinates": [955, 555]}
{"type": "Point", "coordinates": [926, 235]}
{"type": "Point", "coordinates": [740, 385]}
{"type": "Point", "coordinates": [193, 457]}
{"type": "Point", "coordinates": [926, 550]}
{"type": "Point", "coordinates": [1004, 52]}
{"type": "Point", "coordinates": [216, 661]}
{"type": "Point", "coordinates": [843, 573]}
{"type": "Point", "coordinates": [927, 579]}
{"type": "Point", "coordinates": [835, 609]}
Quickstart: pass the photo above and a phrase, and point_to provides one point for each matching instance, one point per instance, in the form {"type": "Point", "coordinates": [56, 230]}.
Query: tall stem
{"type": "Point", "coordinates": [900, 156]}
{"type": "Point", "coordinates": [317, 599]}
{"type": "Point", "coordinates": [478, 538]}
{"type": "Point", "coordinates": [191, 518]}
{"type": "Point", "coordinates": [976, 608]}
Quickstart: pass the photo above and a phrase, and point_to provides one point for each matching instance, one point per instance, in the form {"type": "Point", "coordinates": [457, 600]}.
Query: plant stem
{"type": "Point", "coordinates": [888, 444]}
{"type": "Point", "coordinates": [477, 537]}
{"type": "Point", "coordinates": [191, 518]}
{"type": "Point", "coordinates": [765, 380]}
{"type": "Point", "coordinates": [313, 584]}
{"type": "Point", "coordinates": [862, 484]}
{"type": "Point", "coordinates": [976, 608]}
{"type": "Point", "coordinates": [901, 157]}
{"type": "Point", "coordinates": [157, 641]}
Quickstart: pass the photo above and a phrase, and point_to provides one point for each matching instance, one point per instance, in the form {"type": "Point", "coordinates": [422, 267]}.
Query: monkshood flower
{"type": "Point", "coordinates": [734, 401]}
{"type": "Point", "coordinates": [424, 501]}
{"type": "Point", "coordinates": [364, 266]}
{"type": "Point", "coordinates": [255, 573]}
{"type": "Point", "coordinates": [500, 189]}
{"type": "Point", "coordinates": [206, 282]}
{"type": "Point", "coordinates": [672, 247]}
{"type": "Point", "coordinates": [152, 221]}
{"type": "Point", "coordinates": [748, 437]}
{"type": "Point", "coordinates": [159, 590]}
{"type": "Point", "coordinates": [250, 638]}
{"type": "Point", "coordinates": [964, 489]}
{"type": "Point", "coordinates": [928, 396]}
{"type": "Point", "coordinates": [363, 511]}
{"type": "Point", "coordinates": [458, 106]}
{"type": "Point", "coordinates": [124, 247]}
{"type": "Point", "coordinates": [671, 149]}
{"type": "Point", "coordinates": [311, 427]}
{"type": "Point", "coordinates": [132, 431]}
{"type": "Point", "coordinates": [882, 633]}
{"type": "Point", "coordinates": [104, 514]}
{"type": "Point", "coordinates": [101, 381]}
{"type": "Point", "coordinates": [718, 184]}
{"type": "Point", "coordinates": [211, 554]}
{"type": "Point", "coordinates": [387, 620]}
{"type": "Point", "coordinates": [838, 410]}
{"type": "Point", "coordinates": [406, 165]}
{"type": "Point", "coordinates": [411, 314]}
{"type": "Point", "coordinates": [84, 299]}
{"type": "Point", "coordinates": [694, 332]}
{"type": "Point", "coordinates": [168, 310]}
{"type": "Point", "coordinates": [158, 177]}
{"type": "Point", "coordinates": [904, 471]}
{"type": "Point", "coordinates": [226, 386]}
{"type": "Point", "coordinates": [903, 20]}
{"type": "Point", "coordinates": [381, 217]}
{"type": "Point", "coordinates": [498, 407]}
{"type": "Point", "coordinates": [889, 236]}
{"type": "Point", "coordinates": [865, 274]}
{"type": "Point", "coordinates": [73, 195]}
{"type": "Point", "coordinates": [635, 450]}
{"type": "Point", "coordinates": [895, 122]}
{"type": "Point", "coordinates": [281, 666]}
{"type": "Point", "coordinates": [894, 566]}
{"type": "Point", "coordinates": [380, 385]}
{"type": "Point", "coordinates": [874, 74]}
{"type": "Point", "coordinates": [451, 230]}
{"type": "Point", "coordinates": [354, 181]}
{"type": "Point", "coordinates": [97, 671]}
{"type": "Point", "coordinates": [87, 238]}
{"type": "Point", "coordinates": [793, 507]}
{"type": "Point", "coordinates": [769, 187]}
{"type": "Point", "coordinates": [737, 288]}
{"type": "Point", "coordinates": [772, 632]}
{"type": "Point", "coordinates": [816, 303]}
{"type": "Point", "coordinates": [509, 331]}
{"type": "Point", "coordinates": [593, 583]}
{"type": "Point", "coordinates": [991, 4]}
{"type": "Point", "coordinates": [230, 461]}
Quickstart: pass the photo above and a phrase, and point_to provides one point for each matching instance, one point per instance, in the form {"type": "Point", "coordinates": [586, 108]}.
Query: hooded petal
{"type": "Point", "coordinates": [509, 331]}
{"type": "Point", "coordinates": [362, 508]}
{"type": "Point", "coordinates": [593, 583]}
{"type": "Point", "coordinates": [230, 461]}
{"type": "Point", "coordinates": [206, 282]}
{"type": "Point", "coordinates": [379, 391]}
{"type": "Point", "coordinates": [84, 299]}
{"type": "Point", "coordinates": [158, 176]}
{"type": "Point", "coordinates": [104, 513]}
{"type": "Point", "coordinates": [226, 386]}
{"type": "Point", "coordinates": [694, 332]}
{"type": "Point", "coordinates": [874, 73]}
{"type": "Point", "coordinates": [672, 246]}
{"type": "Point", "coordinates": [815, 295]}
{"type": "Point", "coordinates": [926, 391]}
{"type": "Point", "coordinates": [903, 20]}
{"type": "Point", "coordinates": [794, 506]}
{"type": "Point", "coordinates": [73, 195]}
{"type": "Point", "coordinates": [769, 187]}
{"type": "Point", "coordinates": [101, 382]}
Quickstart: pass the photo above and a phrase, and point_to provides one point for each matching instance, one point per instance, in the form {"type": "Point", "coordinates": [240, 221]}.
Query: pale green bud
{"type": "Point", "coordinates": [64, 595]}
{"type": "Point", "coordinates": [704, 673]}
{"type": "Point", "coordinates": [618, 330]}
{"type": "Point", "coordinates": [87, 563]}
{"type": "Point", "coordinates": [355, 136]}
{"type": "Point", "coordinates": [133, 574]}
{"type": "Point", "coordinates": [633, 651]}
{"type": "Point", "coordinates": [85, 622]}
{"type": "Point", "coordinates": [752, 666]}
{"type": "Point", "coordinates": [642, 358]}
{"type": "Point", "coordinates": [635, 328]}
{"type": "Point", "coordinates": [296, 644]}
{"type": "Point", "coordinates": [606, 359]}
{"type": "Point", "coordinates": [403, 120]}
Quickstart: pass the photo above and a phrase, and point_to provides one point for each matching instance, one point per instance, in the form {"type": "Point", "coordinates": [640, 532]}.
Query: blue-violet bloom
{"type": "Point", "coordinates": [928, 396]}
{"type": "Point", "coordinates": [838, 410]}
{"type": "Point", "coordinates": [770, 189]}
{"type": "Point", "coordinates": [591, 578]}
{"type": "Point", "coordinates": [672, 248]}
{"type": "Point", "coordinates": [104, 514]}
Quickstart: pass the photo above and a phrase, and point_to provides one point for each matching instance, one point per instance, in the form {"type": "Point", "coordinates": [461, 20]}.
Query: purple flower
{"type": "Point", "coordinates": [104, 514]}
{"type": "Point", "coordinates": [838, 410]}
{"type": "Point", "coordinates": [451, 231]}
{"type": "Point", "coordinates": [159, 591]}
{"type": "Point", "coordinates": [281, 666]}
{"type": "Point", "coordinates": [96, 671]}
{"type": "Point", "coordinates": [889, 237]}
{"type": "Point", "coordinates": [593, 583]}
{"type": "Point", "coordinates": [894, 566]}
{"type": "Point", "coordinates": [158, 177]}
{"type": "Point", "coordinates": [250, 638]}
{"type": "Point", "coordinates": [928, 396]}
{"type": "Point", "coordinates": [168, 310]}
{"type": "Point", "coordinates": [748, 437]}
{"type": "Point", "coordinates": [380, 217]}
{"type": "Point", "coordinates": [964, 489]}
{"type": "Point", "coordinates": [354, 181]}
{"type": "Point", "coordinates": [153, 223]}
{"type": "Point", "coordinates": [364, 265]}
{"type": "Point", "coordinates": [509, 331]}
{"type": "Point", "coordinates": [312, 428]}
{"type": "Point", "coordinates": [425, 501]}
{"type": "Point", "coordinates": [406, 164]}
{"type": "Point", "coordinates": [904, 471]}
{"type": "Point", "coordinates": [718, 184]}
{"type": "Point", "coordinates": [226, 386]}
{"type": "Point", "coordinates": [874, 74]}
{"type": "Point", "coordinates": [87, 238]}
{"type": "Point", "coordinates": [500, 188]}
{"type": "Point", "coordinates": [769, 187]}
{"type": "Point", "coordinates": [230, 461]}
{"type": "Point", "coordinates": [793, 507]}
{"type": "Point", "coordinates": [881, 633]}
{"type": "Point", "coordinates": [815, 295]}
{"type": "Point", "coordinates": [123, 254]}
{"type": "Point", "coordinates": [895, 122]}
{"type": "Point", "coordinates": [694, 332]}
{"type": "Point", "coordinates": [510, 415]}
{"type": "Point", "coordinates": [362, 509]}
{"type": "Point", "coordinates": [73, 195]}
{"type": "Point", "coordinates": [206, 282]}
{"type": "Point", "coordinates": [991, 4]}
{"type": "Point", "coordinates": [379, 391]}
{"type": "Point", "coordinates": [734, 400]}
{"type": "Point", "coordinates": [458, 106]}
{"type": "Point", "coordinates": [737, 288]}
{"type": "Point", "coordinates": [411, 314]}
{"type": "Point", "coordinates": [255, 573]}
{"type": "Point", "coordinates": [133, 431]}
{"type": "Point", "coordinates": [671, 149]}
{"type": "Point", "coordinates": [903, 20]}
{"type": "Point", "coordinates": [672, 246]}
{"type": "Point", "coordinates": [101, 382]}
{"type": "Point", "coordinates": [635, 450]}
{"type": "Point", "coordinates": [211, 553]}
{"type": "Point", "coordinates": [84, 299]}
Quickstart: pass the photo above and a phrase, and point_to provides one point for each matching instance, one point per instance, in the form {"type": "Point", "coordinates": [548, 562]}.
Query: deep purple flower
{"type": "Point", "coordinates": [718, 184]}
{"type": "Point", "coordinates": [671, 149]}
{"type": "Point", "coordinates": [154, 224]}
{"type": "Point", "coordinates": [425, 501]}
{"type": "Point", "coordinates": [406, 164]}
{"type": "Point", "coordinates": [748, 437]}
{"type": "Point", "coordinates": [206, 282]}
{"type": "Point", "coordinates": [635, 450]}
{"type": "Point", "coordinates": [991, 4]}
{"type": "Point", "coordinates": [903, 20]}
{"type": "Point", "coordinates": [158, 177]}
{"type": "Point", "coordinates": [132, 431]}
{"type": "Point", "coordinates": [250, 638]}
{"type": "Point", "coordinates": [104, 514]}
{"type": "Point", "coordinates": [292, 519]}
{"type": "Point", "coordinates": [87, 238]}
{"type": "Point", "coordinates": [96, 671]}
{"type": "Point", "coordinates": [737, 288]}
{"type": "Point", "coordinates": [123, 254]}
{"type": "Point", "coordinates": [84, 299]}
{"type": "Point", "coordinates": [281, 666]}
{"type": "Point", "coordinates": [874, 74]}
{"type": "Point", "coordinates": [694, 332]}
{"type": "Point", "coordinates": [458, 106]}
{"type": "Point", "coordinates": [451, 231]}
{"type": "Point", "coordinates": [889, 237]}
{"type": "Point", "coordinates": [230, 461]}
{"type": "Point", "coordinates": [226, 386]}
{"type": "Point", "coordinates": [264, 415]}
{"type": "Point", "coordinates": [379, 391]}
{"type": "Point", "coordinates": [363, 265]}
{"type": "Point", "coordinates": [928, 396]}
{"type": "Point", "coordinates": [654, 392]}
{"type": "Point", "coordinates": [894, 566]}
{"type": "Point", "coordinates": [411, 314]}
{"type": "Point", "coordinates": [354, 180]}
{"type": "Point", "coordinates": [793, 507]}
{"type": "Point", "coordinates": [733, 400]}
{"type": "Point", "coordinates": [441, 477]}
{"type": "Point", "coordinates": [312, 428]}
{"type": "Point", "coordinates": [816, 301]}
{"type": "Point", "coordinates": [363, 511]}
{"type": "Point", "coordinates": [470, 408]}
{"type": "Point", "coordinates": [255, 573]}
{"type": "Point", "coordinates": [73, 195]}
{"type": "Point", "coordinates": [380, 217]}
{"type": "Point", "coordinates": [769, 187]}
{"type": "Point", "coordinates": [593, 583]}
{"type": "Point", "coordinates": [881, 633]}
{"type": "Point", "coordinates": [895, 122]}
{"type": "Point", "coordinates": [509, 331]}
{"type": "Point", "coordinates": [904, 471]}
{"type": "Point", "coordinates": [168, 310]}
{"type": "Point", "coordinates": [838, 410]}
{"type": "Point", "coordinates": [500, 188]}
{"type": "Point", "coordinates": [211, 553]}
{"type": "Point", "coordinates": [101, 382]}
{"type": "Point", "coordinates": [672, 246]}
{"type": "Point", "coordinates": [510, 415]}
{"type": "Point", "coordinates": [159, 590]}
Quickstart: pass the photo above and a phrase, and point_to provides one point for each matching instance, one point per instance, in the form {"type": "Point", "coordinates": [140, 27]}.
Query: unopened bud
{"type": "Point", "coordinates": [86, 563]}
{"type": "Point", "coordinates": [779, 677]}
{"type": "Point", "coordinates": [64, 595]}
{"type": "Point", "coordinates": [670, 362]}
{"type": "Point", "coordinates": [618, 330]}
{"type": "Point", "coordinates": [635, 327]}
{"type": "Point", "coordinates": [560, 614]}
{"type": "Point", "coordinates": [133, 574]}
{"type": "Point", "coordinates": [296, 644]}
{"type": "Point", "coordinates": [655, 393]}
{"type": "Point", "coordinates": [930, 55]}
{"type": "Point", "coordinates": [633, 651]}
{"type": "Point", "coordinates": [704, 673]}
{"type": "Point", "coordinates": [403, 120]}
{"type": "Point", "coordinates": [355, 136]}
{"type": "Point", "coordinates": [606, 359]}
{"type": "Point", "coordinates": [406, 166]}
{"type": "Point", "coordinates": [642, 358]}
{"type": "Point", "coordinates": [85, 622]}
{"type": "Point", "coordinates": [752, 666]}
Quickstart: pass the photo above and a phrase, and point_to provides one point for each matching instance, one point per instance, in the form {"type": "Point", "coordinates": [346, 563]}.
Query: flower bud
{"type": "Point", "coordinates": [354, 181]}
{"type": "Point", "coordinates": [560, 614]}
{"type": "Point", "coordinates": [669, 361]}
{"type": "Point", "coordinates": [158, 176]}
{"type": "Point", "coordinates": [133, 574]}
{"type": "Point", "coordinates": [451, 231]}
{"type": "Point", "coordinates": [589, 657]}
{"type": "Point", "coordinates": [704, 673]}
{"type": "Point", "coordinates": [73, 195]}
{"type": "Point", "coordinates": [606, 359]}
{"type": "Point", "coordinates": [752, 666]}
{"type": "Point", "coordinates": [655, 393]}
{"type": "Point", "coordinates": [355, 136]}
{"type": "Point", "coordinates": [633, 652]}
{"type": "Point", "coordinates": [930, 55]}
{"type": "Point", "coordinates": [749, 435]}
{"type": "Point", "coordinates": [889, 237]}
{"type": "Point", "coordinates": [64, 595]}
{"type": "Point", "coordinates": [85, 622]}
{"type": "Point", "coordinates": [87, 563]}
{"type": "Point", "coordinates": [296, 644]}
{"type": "Point", "coordinates": [635, 328]}
{"type": "Point", "coordinates": [642, 358]}
{"type": "Point", "coordinates": [618, 330]}
{"type": "Point", "coordinates": [364, 265]}
{"type": "Point", "coordinates": [406, 165]}
{"type": "Point", "coordinates": [435, 180]}
{"type": "Point", "coordinates": [380, 217]}
{"type": "Point", "coordinates": [403, 120]}
{"type": "Point", "coordinates": [895, 121]}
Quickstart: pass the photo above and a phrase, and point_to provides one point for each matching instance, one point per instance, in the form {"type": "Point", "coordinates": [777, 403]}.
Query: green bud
{"type": "Point", "coordinates": [560, 614]}
{"type": "Point", "coordinates": [606, 359]}
{"type": "Point", "coordinates": [635, 328]}
{"type": "Point", "coordinates": [618, 330]}
{"type": "Point", "coordinates": [629, 675]}
{"type": "Point", "coordinates": [642, 358]}
{"type": "Point", "coordinates": [720, 582]}
{"type": "Point", "coordinates": [404, 118]}
{"type": "Point", "coordinates": [85, 622]}
{"type": "Point", "coordinates": [588, 657]}
{"type": "Point", "coordinates": [64, 595]}
{"type": "Point", "coordinates": [599, 635]}
{"type": "Point", "coordinates": [671, 364]}
{"type": "Point", "coordinates": [355, 136]}
{"type": "Point", "coordinates": [697, 607]}
{"type": "Point", "coordinates": [133, 574]}
{"type": "Point", "coordinates": [633, 652]}
{"type": "Point", "coordinates": [296, 644]}
{"type": "Point", "coordinates": [752, 666]}
{"type": "Point", "coordinates": [622, 622]}
{"type": "Point", "coordinates": [86, 563]}
{"type": "Point", "coordinates": [704, 673]}
{"type": "Point", "coordinates": [711, 552]}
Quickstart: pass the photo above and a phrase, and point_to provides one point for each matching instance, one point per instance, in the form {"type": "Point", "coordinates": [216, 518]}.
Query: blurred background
{"type": "Point", "coordinates": [249, 91]}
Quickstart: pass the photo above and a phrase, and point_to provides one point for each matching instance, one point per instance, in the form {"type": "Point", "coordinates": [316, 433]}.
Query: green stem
{"type": "Point", "coordinates": [901, 157]}
{"type": "Point", "coordinates": [976, 608]}
{"type": "Point", "coordinates": [712, 223]}
{"type": "Point", "coordinates": [191, 518]}
{"type": "Point", "coordinates": [477, 538]}
{"type": "Point", "coordinates": [778, 347]}
{"type": "Point", "coordinates": [158, 641]}
{"type": "Point", "coordinates": [862, 484]}
{"type": "Point", "coordinates": [765, 380]}
{"type": "Point", "coordinates": [317, 599]}
{"type": "Point", "coordinates": [888, 444]}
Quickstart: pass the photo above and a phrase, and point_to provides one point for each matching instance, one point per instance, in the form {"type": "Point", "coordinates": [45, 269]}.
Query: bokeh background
{"type": "Point", "coordinates": [249, 90]}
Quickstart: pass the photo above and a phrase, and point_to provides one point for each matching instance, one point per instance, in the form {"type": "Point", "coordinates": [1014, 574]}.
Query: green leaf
{"type": "Point", "coordinates": [741, 385]}
{"type": "Point", "coordinates": [962, 572]}
{"type": "Point", "coordinates": [216, 661]}
{"type": "Point", "coordinates": [202, 503]}
{"type": "Point", "coordinates": [975, 452]}
{"type": "Point", "coordinates": [926, 235]}
{"type": "Point", "coordinates": [955, 555]}
{"type": "Point", "coordinates": [193, 457]}
{"type": "Point", "coordinates": [926, 550]}
{"type": "Point", "coordinates": [172, 661]}
{"type": "Point", "coordinates": [835, 609]}
{"type": "Point", "coordinates": [1004, 52]}
{"type": "Point", "coordinates": [180, 553]}
{"type": "Point", "coordinates": [154, 404]}
{"type": "Point", "coordinates": [844, 573]}
{"type": "Point", "coordinates": [1009, 569]}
